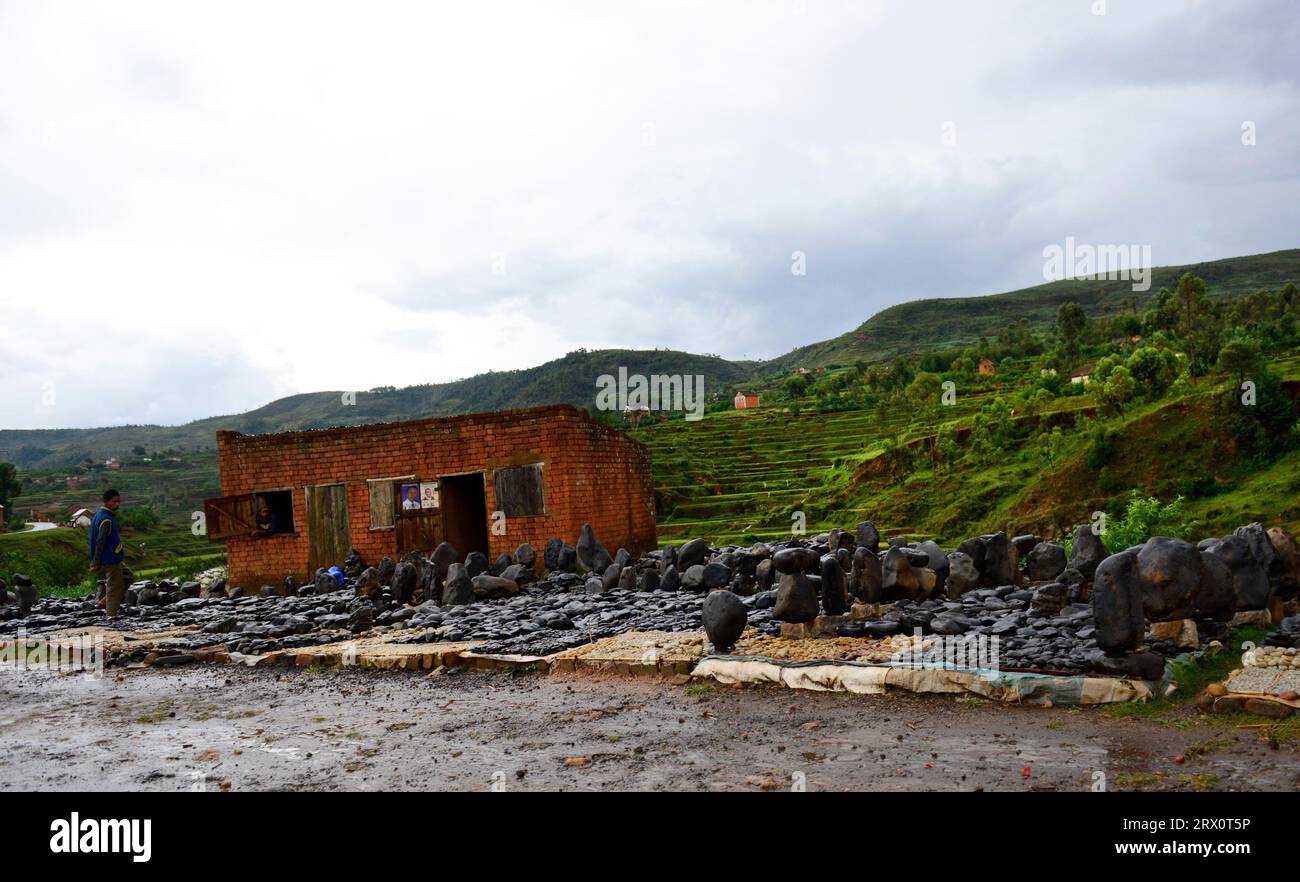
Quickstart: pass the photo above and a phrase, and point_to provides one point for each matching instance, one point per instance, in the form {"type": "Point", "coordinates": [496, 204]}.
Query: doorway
{"type": "Point", "coordinates": [464, 511]}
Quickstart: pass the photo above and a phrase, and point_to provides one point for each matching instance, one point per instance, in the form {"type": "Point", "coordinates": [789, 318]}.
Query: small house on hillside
{"type": "Point", "coordinates": [82, 517]}
{"type": "Point", "coordinates": [746, 400]}
{"type": "Point", "coordinates": [987, 368]}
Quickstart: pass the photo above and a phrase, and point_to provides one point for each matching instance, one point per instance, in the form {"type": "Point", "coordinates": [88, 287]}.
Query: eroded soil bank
{"type": "Point", "coordinates": [233, 728]}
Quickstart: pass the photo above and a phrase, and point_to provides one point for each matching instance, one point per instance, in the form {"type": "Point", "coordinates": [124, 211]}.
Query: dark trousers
{"type": "Point", "coordinates": [114, 588]}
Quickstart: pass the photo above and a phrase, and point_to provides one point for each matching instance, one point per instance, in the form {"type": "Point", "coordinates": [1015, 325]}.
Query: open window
{"type": "Point", "coordinates": [519, 490]}
{"type": "Point", "coordinates": [274, 512]}
{"type": "Point", "coordinates": [266, 513]}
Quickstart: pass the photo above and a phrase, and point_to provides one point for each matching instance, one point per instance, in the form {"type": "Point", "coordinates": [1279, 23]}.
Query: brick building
{"type": "Point", "coordinates": [484, 482]}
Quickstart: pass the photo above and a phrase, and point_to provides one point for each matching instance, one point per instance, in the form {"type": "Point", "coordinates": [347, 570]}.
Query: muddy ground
{"type": "Point", "coordinates": [231, 728]}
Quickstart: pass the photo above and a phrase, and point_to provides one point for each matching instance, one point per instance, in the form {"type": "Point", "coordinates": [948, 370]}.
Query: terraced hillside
{"type": "Point", "coordinates": [738, 474]}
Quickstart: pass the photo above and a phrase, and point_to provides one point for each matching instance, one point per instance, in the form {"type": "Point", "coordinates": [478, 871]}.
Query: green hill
{"type": "Point", "coordinates": [960, 321]}
{"type": "Point", "coordinates": [908, 328]}
{"type": "Point", "coordinates": [830, 448]}
{"type": "Point", "coordinates": [567, 380]}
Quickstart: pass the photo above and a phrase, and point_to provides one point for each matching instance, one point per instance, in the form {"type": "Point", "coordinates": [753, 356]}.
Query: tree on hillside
{"type": "Point", "coordinates": [1240, 357]}
{"type": "Point", "coordinates": [1165, 315]}
{"type": "Point", "coordinates": [1288, 295]}
{"type": "Point", "coordinates": [924, 391]}
{"type": "Point", "coordinates": [1267, 428]}
{"type": "Point", "coordinates": [1153, 370]}
{"type": "Point", "coordinates": [901, 372]}
{"type": "Point", "coordinates": [1071, 322]}
{"type": "Point", "coordinates": [10, 487]}
{"type": "Point", "coordinates": [796, 386]}
{"type": "Point", "coordinates": [945, 449]}
{"type": "Point", "coordinates": [1200, 335]}
{"type": "Point", "coordinates": [1117, 390]}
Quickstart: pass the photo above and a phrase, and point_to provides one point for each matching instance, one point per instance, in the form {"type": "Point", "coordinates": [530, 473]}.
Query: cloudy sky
{"type": "Point", "coordinates": [205, 206]}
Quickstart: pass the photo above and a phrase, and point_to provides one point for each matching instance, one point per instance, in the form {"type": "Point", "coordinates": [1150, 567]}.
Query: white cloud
{"type": "Point", "coordinates": [251, 200]}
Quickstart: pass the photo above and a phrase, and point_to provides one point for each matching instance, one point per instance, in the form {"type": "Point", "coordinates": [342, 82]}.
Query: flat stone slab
{"type": "Point", "coordinates": [647, 653]}
{"type": "Point", "coordinates": [821, 626]}
{"type": "Point", "coordinates": [860, 649]}
{"type": "Point", "coordinates": [1264, 680]}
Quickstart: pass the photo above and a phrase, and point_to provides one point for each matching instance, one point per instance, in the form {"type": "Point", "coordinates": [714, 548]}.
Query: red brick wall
{"type": "Point", "coordinates": [591, 474]}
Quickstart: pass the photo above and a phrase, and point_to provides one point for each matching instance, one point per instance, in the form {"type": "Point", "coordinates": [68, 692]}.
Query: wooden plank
{"type": "Point", "coordinates": [329, 535]}
{"type": "Point", "coordinates": [519, 490]}
{"type": "Point", "coordinates": [419, 531]}
{"type": "Point", "coordinates": [381, 504]}
{"type": "Point", "coordinates": [230, 516]}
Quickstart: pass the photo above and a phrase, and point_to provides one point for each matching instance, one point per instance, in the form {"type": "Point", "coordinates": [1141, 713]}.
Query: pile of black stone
{"type": "Point", "coordinates": [1287, 634]}
{"type": "Point", "coordinates": [1087, 612]}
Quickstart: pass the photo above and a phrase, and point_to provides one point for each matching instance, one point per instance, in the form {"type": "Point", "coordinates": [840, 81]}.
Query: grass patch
{"type": "Point", "coordinates": [1191, 679]}
{"type": "Point", "coordinates": [1199, 783]}
{"type": "Point", "coordinates": [1130, 780]}
{"type": "Point", "coordinates": [1141, 780]}
{"type": "Point", "coordinates": [699, 689]}
{"type": "Point", "coordinates": [1208, 747]}
{"type": "Point", "coordinates": [161, 711]}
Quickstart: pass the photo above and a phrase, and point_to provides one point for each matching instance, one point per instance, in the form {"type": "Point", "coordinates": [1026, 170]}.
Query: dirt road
{"type": "Point", "coordinates": [226, 727]}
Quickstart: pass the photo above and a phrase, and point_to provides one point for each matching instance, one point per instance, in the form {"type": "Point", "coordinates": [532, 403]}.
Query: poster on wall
{"type": "Point", "coordinates": [429, 494]}
{"type": "Point", "coordinates": [410, 497]}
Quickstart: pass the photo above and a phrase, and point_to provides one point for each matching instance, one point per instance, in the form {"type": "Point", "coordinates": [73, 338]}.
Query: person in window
{"type": "Point", "coordinates": [267, 523]}
{"type": "Point", "coordinates": [411, 501]}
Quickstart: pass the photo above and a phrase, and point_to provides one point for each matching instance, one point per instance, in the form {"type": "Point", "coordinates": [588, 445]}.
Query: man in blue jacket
{"type": "Point", "coordinates": [107, 551]}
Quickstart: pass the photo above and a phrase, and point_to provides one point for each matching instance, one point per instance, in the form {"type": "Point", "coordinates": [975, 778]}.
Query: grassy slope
{"type": "Point", "coordinates": [739, 475]}
{"type": "Point", "coordinates": [1166, 450]}
{"type": "Point", "coordinates": [58, 558]}
{"type": "Point", "coordinates": [949, 322]}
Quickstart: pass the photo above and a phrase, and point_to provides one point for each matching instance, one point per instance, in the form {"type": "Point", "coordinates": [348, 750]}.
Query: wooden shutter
{"type": "Point", "coordinates": [230, 516]}
{"type": "Point", "coordinates": [383, 501]}
{"type": "Point", "coordinates": [519, 490]}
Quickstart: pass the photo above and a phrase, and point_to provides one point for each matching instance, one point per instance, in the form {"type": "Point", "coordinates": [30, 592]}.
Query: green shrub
{"type": "Point", "coordinates": [139, 517]}
{"type": "Point", "coordinates": [1143, 518]}
{"type": "Point", "coordinates": [49, 568]}
{"type": "Point", "coordinates": [1103, 443]}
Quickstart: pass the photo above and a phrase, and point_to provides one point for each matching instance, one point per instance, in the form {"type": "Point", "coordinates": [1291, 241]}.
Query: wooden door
{"type": "Point", "coordinates": [329, 532]}
{"type": "Point", "coordinates": [419, 531]}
